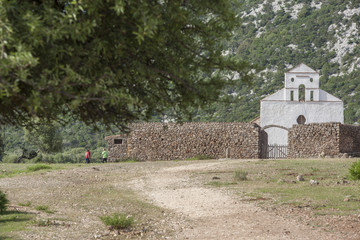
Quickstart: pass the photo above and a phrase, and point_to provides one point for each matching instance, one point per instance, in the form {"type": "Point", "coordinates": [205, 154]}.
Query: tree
{"type": "Point", "coordinates": [111, 61]}
{"type": "Point", "coordinates": [46, 137]}
{"type": "Point", "coordinates": [1, 144]}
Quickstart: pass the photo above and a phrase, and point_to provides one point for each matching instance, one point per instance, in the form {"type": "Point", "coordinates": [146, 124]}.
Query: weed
{"type": "Point", "coordinates": [27, 204]}
{"type": "Point", "coordinates": [118, 221]}
{"type": "Point", "coordinates": [240, 175]}
{"type": "Point", "coordinates": [314, 169]}
{"type": "Point", "coordinates": [38, 167]}
{"type": "Point", "coordinates": [44, 208]}
{"type": "Point", "coordinates": [354, 170]}
{"type": "Point", "coordinates": [3, 202]}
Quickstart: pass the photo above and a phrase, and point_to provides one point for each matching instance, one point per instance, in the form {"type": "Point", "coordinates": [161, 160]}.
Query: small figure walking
{"type": "Point", "coordinates": [87, 156]}
{"type": "Point", "coordinates": [104, 155]}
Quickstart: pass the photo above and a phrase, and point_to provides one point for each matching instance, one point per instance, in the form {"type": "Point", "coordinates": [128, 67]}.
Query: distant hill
{"type": "Point", "coordinates": [278, 35]}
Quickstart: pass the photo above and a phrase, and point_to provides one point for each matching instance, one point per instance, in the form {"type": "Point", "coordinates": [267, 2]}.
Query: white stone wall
{"type": "Point", "coordinates": [285, 113]}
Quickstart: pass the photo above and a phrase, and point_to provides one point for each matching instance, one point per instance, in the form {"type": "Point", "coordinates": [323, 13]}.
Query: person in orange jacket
{"type": "Point", "coordinates": [87, 156]}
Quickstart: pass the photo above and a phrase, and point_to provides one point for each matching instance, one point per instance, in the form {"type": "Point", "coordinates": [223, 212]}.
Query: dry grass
{"type": "Point", "coordinates": [276, 180]}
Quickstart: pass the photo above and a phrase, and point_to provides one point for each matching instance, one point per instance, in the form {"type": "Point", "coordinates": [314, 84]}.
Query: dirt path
{"type": "Point", "coordinates": [188, 208]}
{"type": "Point", "coordinates": [216, 214]}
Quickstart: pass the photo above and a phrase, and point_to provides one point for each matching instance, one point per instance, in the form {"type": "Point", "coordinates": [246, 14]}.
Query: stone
{"type": "Point", "coordinates": [314, 182]}
{"type": "Point", "coordinates": [300, 178]}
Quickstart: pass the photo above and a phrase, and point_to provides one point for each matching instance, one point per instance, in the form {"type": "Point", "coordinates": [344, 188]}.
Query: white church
{"type": "Point", "coordinates": [300, 102]}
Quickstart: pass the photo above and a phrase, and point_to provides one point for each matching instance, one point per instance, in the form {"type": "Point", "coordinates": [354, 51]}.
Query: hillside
{"type": "Point", "coordinates": [278, 35]}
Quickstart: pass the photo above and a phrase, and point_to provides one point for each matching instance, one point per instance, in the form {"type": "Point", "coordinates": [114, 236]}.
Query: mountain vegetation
{"type": "Point", "coordinates": [280, 34]}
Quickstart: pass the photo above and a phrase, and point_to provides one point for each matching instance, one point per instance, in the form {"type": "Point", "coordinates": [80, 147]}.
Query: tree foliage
{"type": "Point", "coordinates": [46, 137]}
{"type": "Point", "coordinates": [112, 61]}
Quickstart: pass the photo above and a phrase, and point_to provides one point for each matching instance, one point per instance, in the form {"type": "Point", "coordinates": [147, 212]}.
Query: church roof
{"type": "Point", "coordinates": [302, 68]}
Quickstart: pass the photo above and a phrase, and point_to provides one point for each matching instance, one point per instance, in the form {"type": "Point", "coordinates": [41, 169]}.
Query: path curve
{"type": "Point", "coordinates": [213, 213]}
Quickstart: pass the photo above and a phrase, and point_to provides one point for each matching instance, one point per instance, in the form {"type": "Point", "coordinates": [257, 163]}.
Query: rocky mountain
{"type": "Point", "coordinates": [279, 34]}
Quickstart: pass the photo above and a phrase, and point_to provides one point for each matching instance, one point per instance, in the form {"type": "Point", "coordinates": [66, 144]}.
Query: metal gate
{"type": "Point", "coordinates": [276, 151]}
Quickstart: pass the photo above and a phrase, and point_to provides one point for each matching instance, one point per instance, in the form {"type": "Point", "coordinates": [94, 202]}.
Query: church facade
{"type": "Point", "coordinates": [300, 102]}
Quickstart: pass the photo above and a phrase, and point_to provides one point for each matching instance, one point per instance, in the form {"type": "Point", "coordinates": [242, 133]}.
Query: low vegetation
{"type": "Point", "coordinates": [240, 175]}
{"type": "Point", "coordinates": [38, 167]}
{"type": "Point", "coordinates": [354, 171]}
{"type": "Point", "coordinates": [275, 181]}
{"type": "Point", "coordinates": [118, 221]}
{"type": "Point", "coordinates": [3, 202]}
{"type": "Point", "coordinates": [44, 208]}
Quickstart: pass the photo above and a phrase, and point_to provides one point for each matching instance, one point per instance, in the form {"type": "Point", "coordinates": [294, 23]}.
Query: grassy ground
{"type": "Point", "coordinates": [276, 180]}
{"type": "Point", "coordinates": [268, 182]}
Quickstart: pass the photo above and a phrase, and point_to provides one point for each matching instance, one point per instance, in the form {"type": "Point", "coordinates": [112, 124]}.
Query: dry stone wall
{"type": "Point", "coordinates": [350, 139]}
{"type": "Point", "coordinates": [314, 140]}
{"type": "Point", "coordinates": [158, 141]}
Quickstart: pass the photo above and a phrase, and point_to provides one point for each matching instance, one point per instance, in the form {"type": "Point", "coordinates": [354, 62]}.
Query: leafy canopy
{"type": "Point", "coordinates": [113, 61]}
{"type": "Point", "coordinates": [46, 137]}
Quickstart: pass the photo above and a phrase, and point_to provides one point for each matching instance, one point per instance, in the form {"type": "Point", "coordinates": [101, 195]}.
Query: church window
{"type": "Point", "coordinates": [292, 79]}
{"type": "Point", "coordinates": [301, 119]}
{"type": "Point", "coordinates": [311, 95]}
{"type": "Point", "coordinates": [311, 79]}
{"type": "Point", "coordinates": [302, 93]}
{"type": "Point", "coordinates": [291, 95]}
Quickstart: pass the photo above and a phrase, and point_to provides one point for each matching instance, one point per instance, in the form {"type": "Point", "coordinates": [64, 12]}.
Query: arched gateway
{"type": "Point", "coordinates": [274, 150]}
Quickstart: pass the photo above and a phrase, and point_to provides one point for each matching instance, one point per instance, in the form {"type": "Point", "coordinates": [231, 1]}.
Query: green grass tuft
{"type": "Point", "coordinates": [240, 175]}
{"type": "Point", "coordinates": [44, 208]}
{"type": "Point", "coordinates": [37, 167]}
{"type": "Point", "coordinates": [118, 221]}
{"type": "Point", "coordinates": [354, 171]}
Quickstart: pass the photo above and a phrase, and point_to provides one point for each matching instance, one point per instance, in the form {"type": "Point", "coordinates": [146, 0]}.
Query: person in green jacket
{"type": "Point", "coordinates": [104, 155]}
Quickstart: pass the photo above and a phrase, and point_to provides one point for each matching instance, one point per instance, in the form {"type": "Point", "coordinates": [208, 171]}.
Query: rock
{"type": "Point", "coordinates": [300, 178]}
{"type": "Point", "coordinates": [346, 199]}
{"type": "Point", "coordinates": [314, 182]}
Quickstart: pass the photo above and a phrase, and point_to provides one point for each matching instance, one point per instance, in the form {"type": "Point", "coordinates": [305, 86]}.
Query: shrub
{"type": "Point", "coordinates": [10, 158]}
{"type": "Point", "coordinates": [3, 202]}
{"type": "Point", "coordinates": [44, 208]}
{"type": "Point", "coordinates": [38, 167]}
{"type": "Point", "coordinates": [354, 170]}
{"type": "Point", "coordinates": [240, 175]}
{"type": "Point", "coordinates": [118, 221]}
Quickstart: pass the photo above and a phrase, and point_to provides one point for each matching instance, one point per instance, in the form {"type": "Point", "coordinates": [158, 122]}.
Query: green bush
{"type": "Point", "coordinates": [44, 208]}
{"type": "Point", "coordinates": [3, 202]}
{"type": "Point", "coordinates": [354, 170]}
{"type": "Point", "coordinates": [118, 221]}
{"type": "Point", "coordinates": [10, 158]}
{"type": "Point", "coordinates": [240, 175]}
{"type": "Point", "coordinates": [37, 167]}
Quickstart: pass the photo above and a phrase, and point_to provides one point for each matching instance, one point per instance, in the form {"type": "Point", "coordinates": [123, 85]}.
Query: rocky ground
{"type": "Point", "coordinates": [170, 200]}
